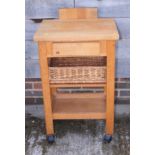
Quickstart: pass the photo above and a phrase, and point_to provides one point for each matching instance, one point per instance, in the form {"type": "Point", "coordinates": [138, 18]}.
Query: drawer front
{"type": "Point", "coordinates": [76, 49]}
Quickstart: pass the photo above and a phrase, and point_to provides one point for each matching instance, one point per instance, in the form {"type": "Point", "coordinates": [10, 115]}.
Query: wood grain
{"type": "Point", "coordinates": [123, 25]}
{"type": "Point", "coordinates": [83, 36]}
{"type": "Point", "coordinates": [77, 30]}
{"type": "Point", "coordinates": [76, 49]}
{"type": "Point", "coordinates": [79, 106]}
{"type": "Point", "coordinates": [78, 85]}
{"type": "Point", "coordinates": [110, 87]}
{"type": "Point", "coordinates": [122, 50]}
{"type": "Point", "coordinates": [46, 88]}
{"type": "Point", "coordinates": [77, 13]}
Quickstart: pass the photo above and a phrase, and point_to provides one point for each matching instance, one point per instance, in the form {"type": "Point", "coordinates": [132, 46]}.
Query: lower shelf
{"type": "Point", "coordinates": [79, 106]}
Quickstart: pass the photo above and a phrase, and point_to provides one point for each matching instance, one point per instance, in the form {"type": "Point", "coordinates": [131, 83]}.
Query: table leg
{"type": "Point", "coordinates": [46, 89]}
{"type": "Point", "coordinates": [110, 87]}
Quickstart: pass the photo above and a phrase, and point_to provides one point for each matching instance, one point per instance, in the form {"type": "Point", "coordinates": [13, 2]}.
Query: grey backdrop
{"type": "Point", "coordinates": [39, 9]}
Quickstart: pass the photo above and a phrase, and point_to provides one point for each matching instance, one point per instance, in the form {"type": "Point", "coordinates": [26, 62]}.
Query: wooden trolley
{"type": "Point", "coordinates": [77, 50]}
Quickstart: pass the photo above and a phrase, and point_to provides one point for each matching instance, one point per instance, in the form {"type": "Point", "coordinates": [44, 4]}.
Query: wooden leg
{"type": "Point", "coordinates": [46, 89]}
{"type": "Point", "coordinates": [110, 87]}
{"type": "Point", "coordinates": [54, 90]}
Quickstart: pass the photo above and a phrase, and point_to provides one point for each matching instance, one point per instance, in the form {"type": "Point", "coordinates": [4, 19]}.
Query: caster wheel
{"type": "Point", "coordinates": [51, 138]}
{"type": "Point", "coordinates": [107, 138]}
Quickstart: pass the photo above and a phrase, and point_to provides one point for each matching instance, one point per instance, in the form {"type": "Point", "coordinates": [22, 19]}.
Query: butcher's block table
{"type": "Point", "coordinates": [76, 36]}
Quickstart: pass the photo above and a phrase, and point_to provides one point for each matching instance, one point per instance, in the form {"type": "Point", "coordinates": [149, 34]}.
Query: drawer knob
{"type": "Point", "coordinates": [57, 52]}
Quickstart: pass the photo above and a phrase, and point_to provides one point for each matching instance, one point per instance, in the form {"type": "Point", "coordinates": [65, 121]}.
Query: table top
{"type": "Point", "coordinates": [77, 30]}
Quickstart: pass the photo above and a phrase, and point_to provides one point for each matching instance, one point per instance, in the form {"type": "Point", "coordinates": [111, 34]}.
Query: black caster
{"type": "Point", "coordinates": [107, 138]}
{"type": "Point", "coordinates": [51, 138]}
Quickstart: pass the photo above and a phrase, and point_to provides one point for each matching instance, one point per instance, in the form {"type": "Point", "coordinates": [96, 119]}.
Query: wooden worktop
{"type": "Point", "coordinates": [77, 30]}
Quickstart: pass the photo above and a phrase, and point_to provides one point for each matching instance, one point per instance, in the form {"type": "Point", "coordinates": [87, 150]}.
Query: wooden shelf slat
{"type": "Point", "coordinates": [79, 106]}
{"type": "Point", "coordinates": [78, 85]}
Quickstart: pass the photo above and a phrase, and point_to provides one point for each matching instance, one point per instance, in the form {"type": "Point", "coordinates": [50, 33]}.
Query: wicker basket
{"type": "Point", "coordinates": [80, 70]}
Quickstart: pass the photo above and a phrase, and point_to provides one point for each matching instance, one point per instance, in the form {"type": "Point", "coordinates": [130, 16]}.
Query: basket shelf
{"type": "Point", "coordinates": [77, 74]}
{"type": "Point", "coordinates": [77, 70]}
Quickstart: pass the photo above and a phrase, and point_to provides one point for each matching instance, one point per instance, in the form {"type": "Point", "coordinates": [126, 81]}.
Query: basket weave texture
{"type": "Point", "coordinates": [77, 74]}
{"type": "Point", "coordinates": [77, 71]}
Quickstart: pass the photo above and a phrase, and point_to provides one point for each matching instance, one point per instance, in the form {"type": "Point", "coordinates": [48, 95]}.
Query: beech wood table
{"type": "Point", "coordinates": [77, 34]}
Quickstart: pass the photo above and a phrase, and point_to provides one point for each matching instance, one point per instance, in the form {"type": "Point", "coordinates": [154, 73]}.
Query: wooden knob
{"type": "Point", "coordinates": [57, 52]}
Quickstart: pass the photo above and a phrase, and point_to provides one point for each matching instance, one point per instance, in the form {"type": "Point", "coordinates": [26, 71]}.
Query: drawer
{"type": "Point", "coordinates": [77, 49]}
